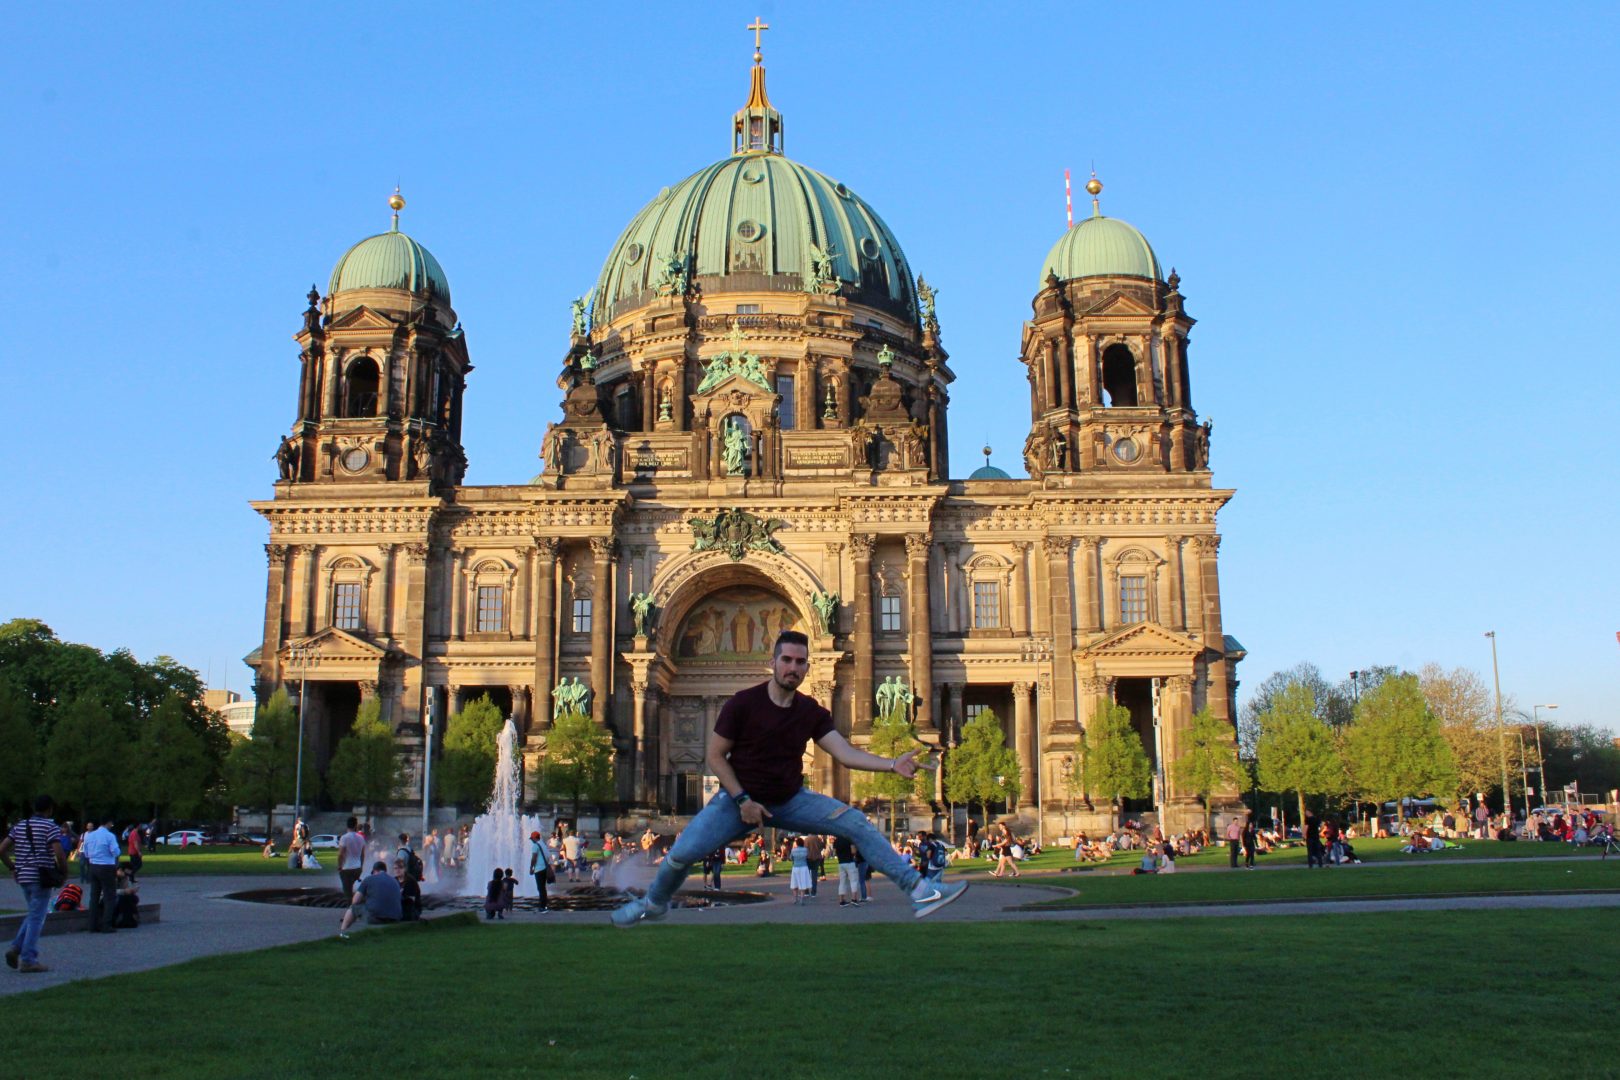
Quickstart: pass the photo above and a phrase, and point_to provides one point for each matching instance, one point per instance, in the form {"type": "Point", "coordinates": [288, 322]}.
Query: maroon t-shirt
{"type": "Point", "coordinates": [767, 750]}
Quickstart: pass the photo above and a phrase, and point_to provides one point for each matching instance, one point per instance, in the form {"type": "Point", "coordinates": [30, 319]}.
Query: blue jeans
{"type": "Point", "coordinates": [38, 900]}
{"type": "Point", "coordinates": [720, 822]}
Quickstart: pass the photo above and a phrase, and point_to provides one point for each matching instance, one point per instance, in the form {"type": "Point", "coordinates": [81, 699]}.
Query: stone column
{"type": "Point", "coordinates": [1066, 364]}
{"type": "Point", "coordinates": [520, 706]}
{"type": "Point", "coordinates": [545, 628]}
{"type": "Point", "coordinates": [921, 645]}
{"type": "Point", "coordinates": [958, 711]}
{"type": "Point", "coordinates": [457, 561]}
{"type": "Point", "coordinates": [329, 381]}
{"type": "Point", "coordinates": [275, 615]}
{"type": "Point", "coordinates": [1025, 743]}
{"type": "Point", "coordinates": [601, 627]}
{"type": "Point", "coordinates": [860, 545]}
{"type": "Point", "coordinates": [517, 616]}
{"type": "Point", "coordinates": [1170, 351]}
{"type": "Point", "coordinates": [649, 396]}
{"type": "Point", "coordinates": [308, 576]}
{"type": "Point", "coordinates": [1206, 548]}
{"type": "Point", "coordinates": [1144, 370]}
{"type": "Point", "coordinates": [382, 594]}
{"type": "Point", "coordinates": [1020, 588]}
{"type": "Point", "coordinates": [950, 574]}
{"type": "Point", "coordinates": [1064, 719]}
{"type": "Point", "coordinates": [1175, 714]}
{"type": "Point", "coordinates": [1093, 374]}
{"type": "Point", "coordinates": [1176, 616]}
{"type": "Point", "coordinates": [638, 744]}
{"type": "Point", "coordinates": [1090, 616]}
{"type": "Point", "coordinates": [678, 405]}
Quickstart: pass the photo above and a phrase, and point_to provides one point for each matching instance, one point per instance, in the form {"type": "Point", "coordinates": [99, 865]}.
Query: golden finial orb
{"type": "Point", "coordinates": [1094, 186]}
{"type": "Point", "coordinates": [397, 201]}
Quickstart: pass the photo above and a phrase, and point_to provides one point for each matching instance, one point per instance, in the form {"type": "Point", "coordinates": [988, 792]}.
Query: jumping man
{"type": "Point", "coordinates": [756, 752]}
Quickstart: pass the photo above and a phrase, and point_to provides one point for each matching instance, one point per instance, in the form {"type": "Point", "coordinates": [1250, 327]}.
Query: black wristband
{"type": "Point", "coordinates": [741, 797]}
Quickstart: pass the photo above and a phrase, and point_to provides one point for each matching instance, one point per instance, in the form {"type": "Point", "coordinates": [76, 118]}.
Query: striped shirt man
{"type": "Point", "coordinates": [32, 839]}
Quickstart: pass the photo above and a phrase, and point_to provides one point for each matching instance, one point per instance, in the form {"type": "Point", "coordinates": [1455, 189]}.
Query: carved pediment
{"type": "Point", "coordinates": [336, 647]}
{"type": "Point", "coordinates": [362, 318]}
{"type": "Point", "coordinates": [1120, 304]}
{"type": "Point", "coordinates": [1144, 640]}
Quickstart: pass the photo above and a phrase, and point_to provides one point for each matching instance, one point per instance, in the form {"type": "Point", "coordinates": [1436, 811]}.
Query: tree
{"type": "Point", "coordinates": [1116, 764]}
{"type": "Point", "coordinates": [1210, 762]}
{"type": "Point", "coordinates": [1296, 749]}
{"type": "Point", "coordinates": [260, 770]}
{"type": "Point", "coordinates": [1331, 704]}
{"type": "Point", "coordinates": [1580, 754]}
{"type": "Point", "coordinates": [577, 763]}
{"type": "Point", "coordinates": [366, 767]}
{"type": "Point", "coordinates": [467, 772]}
{"type": "Point", "coordinates": [172, 763]}
{"type": "Point", "coordinates": [982, 769]}
{"type": "Point", "coordinates": [86, 761]}
{"type": "Point", "coordinates": [1395, 749]}
{"type": "Point", "coordinates": [892, 735]}
{"type": "Point", "coordinates": [1461, 703]}
{"type": "Point", "coordinates": [19, 764]}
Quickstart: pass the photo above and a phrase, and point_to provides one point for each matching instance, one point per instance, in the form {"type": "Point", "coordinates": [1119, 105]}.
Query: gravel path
{"type": "Point", "coordinates": [198, 921]}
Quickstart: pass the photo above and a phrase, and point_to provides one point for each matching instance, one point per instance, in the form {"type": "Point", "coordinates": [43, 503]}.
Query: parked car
{"type": "Point", "coordinates": [323, 842]}
{"type": "Point", "coordinates": [183, 838]}
{"type": "Point", "coordinates": [255, 839]}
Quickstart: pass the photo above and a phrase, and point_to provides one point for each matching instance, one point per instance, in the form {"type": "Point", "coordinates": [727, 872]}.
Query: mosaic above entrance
{"type": "Point", "coordinates": [735, 624]}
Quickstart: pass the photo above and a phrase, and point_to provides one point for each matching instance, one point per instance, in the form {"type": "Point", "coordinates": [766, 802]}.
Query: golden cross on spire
{"type": "Point", "coordinates": [758, 26]}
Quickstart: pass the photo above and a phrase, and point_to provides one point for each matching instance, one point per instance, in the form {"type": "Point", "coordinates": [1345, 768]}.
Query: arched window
{"type": "Point", "coordinates": [348, 580]}
{"type": "Point", "coordinates": [361, 385]}
{"type": "Point", "coordinates": [1119, 376]}
{"type": "Point", "coordinates": [490, 590]}
{"type": "Point", "coordinates": [1135, 579]}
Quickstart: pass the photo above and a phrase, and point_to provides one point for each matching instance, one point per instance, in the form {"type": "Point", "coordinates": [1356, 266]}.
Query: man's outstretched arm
{"type": "Point", "coordinates": [839, 749]}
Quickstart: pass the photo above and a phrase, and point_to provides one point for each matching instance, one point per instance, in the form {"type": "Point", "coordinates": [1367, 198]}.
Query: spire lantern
{"type": "Point", "coordinates": [757, 127]}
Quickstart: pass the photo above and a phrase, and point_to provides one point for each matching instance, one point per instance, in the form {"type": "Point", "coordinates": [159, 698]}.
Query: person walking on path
{"type": "Point", "coordinates": [351, 856]}
{"type": "Point", "coordinates": [540, 867]}
{"type": "Point", "coordinates": [31, 851]}
{"type": "Point", "coordinates": [132, 846]}
{"type": "Point", "coordinates": [1234, 839]}
{"type": "Point", "coordinates": [1313, 842]}
{"type": "Point", "coordinates": [101, 851]}
{"type": "Point", "coordinates": [571, 854]}
{"type": "Point", "coordinates": [1251, 840]}
{"type": "Point", "coordinates": [757, 752]}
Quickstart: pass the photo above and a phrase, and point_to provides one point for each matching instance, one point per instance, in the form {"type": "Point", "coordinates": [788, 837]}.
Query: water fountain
{"type": "Point", "coordinates": [500, 835]}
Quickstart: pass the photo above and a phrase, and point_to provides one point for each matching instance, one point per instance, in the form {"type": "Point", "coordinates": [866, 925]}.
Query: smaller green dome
{"type": "Point", "coordinates": [988, 472]}
{"type": "Point", "coordinates": [1100, 247]}
{"type": "Point", "coordinates": [391, 260]}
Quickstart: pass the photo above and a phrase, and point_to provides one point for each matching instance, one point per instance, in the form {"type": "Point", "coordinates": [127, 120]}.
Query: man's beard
{"type": "Point", "coordinates": [789, 681]}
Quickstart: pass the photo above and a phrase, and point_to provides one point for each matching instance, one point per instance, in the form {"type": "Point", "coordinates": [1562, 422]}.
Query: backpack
{"type": "Point", "coordinates": [413, 865]}
{"type": "Point", "coordinates": [936, 855]}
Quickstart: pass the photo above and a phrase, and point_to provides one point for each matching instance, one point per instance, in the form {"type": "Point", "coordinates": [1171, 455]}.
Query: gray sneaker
{"type": "Point", "coordinates": [938, 896]}
{"type": "Point", "coordinates": [639, 909]}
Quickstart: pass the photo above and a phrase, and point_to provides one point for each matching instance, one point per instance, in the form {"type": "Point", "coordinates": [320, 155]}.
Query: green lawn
{"type": "Point", "coordinates": [1398, 994]}
{"type": "Point", "coordinates": [1370, 880]}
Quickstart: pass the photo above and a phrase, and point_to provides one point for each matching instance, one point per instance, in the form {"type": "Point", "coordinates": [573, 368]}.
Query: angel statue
{"type": "Point", "coordinates": [826, 608]}
{"type": "Point", "coordinates": [823, 270]}
{"type": "Point", "coordinates": [580, 328]}
{"type": "Point", "coordinates": [641, 607]}
{"type": "Point", "coordinates": [925, 296]}
{"type": "Point", "coordinates": [735, 454]}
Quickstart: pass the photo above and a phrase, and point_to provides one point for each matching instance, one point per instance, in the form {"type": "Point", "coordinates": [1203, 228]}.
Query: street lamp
{"type": "Point", "coordinates": [1541, 762]}
{"type": "Point", "coordinates": [1501, 732]}
{"type": "Point", "coordinates": [1524, 774]}
{"type": "Point", "coordinates": [301, 654]}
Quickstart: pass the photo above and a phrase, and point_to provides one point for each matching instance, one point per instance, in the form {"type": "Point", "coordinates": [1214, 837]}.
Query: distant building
{"type": "Point", "coordinates": [238, 714]}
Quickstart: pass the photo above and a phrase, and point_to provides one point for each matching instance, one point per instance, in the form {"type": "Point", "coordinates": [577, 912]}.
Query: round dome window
{"type": "Point", "coordinates": [1126, 450]}
{"type": "Point", "coordinates": [843, 191]}
{"type": "Point", "coordinates": [632, 254]}
{"type": "Point", "coordinates": [753, 174]}
{"type": "Point", "coordinates": [869, 247]}
{"type": "Point", "coordinates": [749, 230]}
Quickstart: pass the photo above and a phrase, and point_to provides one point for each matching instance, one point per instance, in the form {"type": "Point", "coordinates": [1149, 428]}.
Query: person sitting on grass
{"type": "Point", "coordinates": [376, 897]}
{"type": "Point", "coordinates": [1167, 859]}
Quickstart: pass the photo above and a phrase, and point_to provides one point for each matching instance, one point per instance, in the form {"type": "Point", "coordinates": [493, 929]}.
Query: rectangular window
{"type": "Point", "coordinates": [784, 387]}
{"type": "Point", "coordinates": [491, 609]}
{"type": "Point", "coordinates": [986, 605]}
{"type": "Point", "coordinates": [889, 613]}
{"type": "Point", "coordinates": [748, 309]}
{"type": "Point", "coordinates": [974, 709]}
{"type": "Point", "coordinates": [582, 615]}
{"type": "Point", "coordinates": [1132, 600]}
{"type": "Point", "coordinates": [346, 605]}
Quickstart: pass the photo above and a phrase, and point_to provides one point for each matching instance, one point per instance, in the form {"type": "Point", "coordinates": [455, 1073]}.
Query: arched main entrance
{"type": "Point", "coordinates": [716, 634]}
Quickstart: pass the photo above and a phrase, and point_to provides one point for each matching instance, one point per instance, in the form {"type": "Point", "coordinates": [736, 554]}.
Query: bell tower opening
{"type": "Point", "coordinates": [360, 398]}
{"type": "Point", "coordinates": [1119, 376]}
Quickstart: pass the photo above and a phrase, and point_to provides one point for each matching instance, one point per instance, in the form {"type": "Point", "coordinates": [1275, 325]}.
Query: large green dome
{"type": "Point", "coordinates": [749, 223]}
{"type": "Point", "coordinates": [1100, 247]}
{"type": "Point", "coordinates": [391, 260]}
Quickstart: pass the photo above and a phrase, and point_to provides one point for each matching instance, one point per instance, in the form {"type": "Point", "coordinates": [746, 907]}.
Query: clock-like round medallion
{"type": "Point", "coordinates": [1126, 450]}
{"type": "Point", "coordinates": [355, 459]}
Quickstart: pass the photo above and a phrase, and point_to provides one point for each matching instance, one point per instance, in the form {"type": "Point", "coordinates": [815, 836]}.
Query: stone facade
{"type": "Point", "coordinates": [737, 457]}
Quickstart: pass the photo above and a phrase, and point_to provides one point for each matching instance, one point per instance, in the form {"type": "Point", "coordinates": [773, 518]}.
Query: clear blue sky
{"type": "Point", "coordinates": [1394, 223]}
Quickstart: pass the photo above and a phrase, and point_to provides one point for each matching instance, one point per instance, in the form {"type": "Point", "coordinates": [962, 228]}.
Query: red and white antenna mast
{"type": "Point", "coordinates": [1068, 199]}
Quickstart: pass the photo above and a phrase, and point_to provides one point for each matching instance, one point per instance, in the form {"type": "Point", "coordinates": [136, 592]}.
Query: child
{"type": "Point", "coordinates": [508, 890]}
{"type": "Point", "coordinates": [495, 895]}
{"type": "Point", "coordinates": [800, 880]}
{"type": "Point", "coordinates": [127, 906]}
